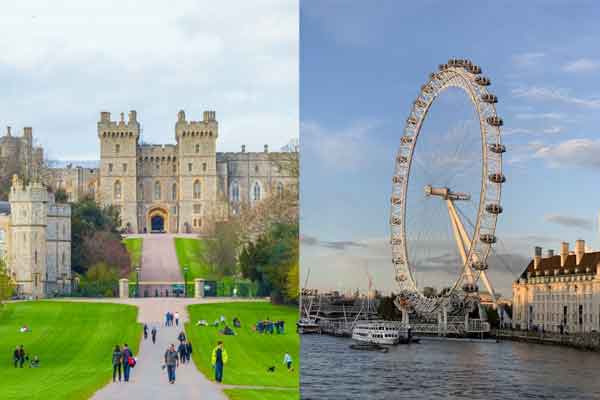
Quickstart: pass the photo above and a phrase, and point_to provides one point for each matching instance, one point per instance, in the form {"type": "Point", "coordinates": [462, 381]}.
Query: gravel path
{"type": "Point", "coordinates": [159, 260]}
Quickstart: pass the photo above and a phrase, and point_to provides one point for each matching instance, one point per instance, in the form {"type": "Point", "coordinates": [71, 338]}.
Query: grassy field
{"type": "Point", "coordinates": [74, 342]}
{"type": "Point", "coordinates": [244, 394]}
{"type": "Point", "coordinates": [189, 253]}
{"type": "Point", "coordinates": [134, 247]}
{"type": "Point", "coordinates": [250, 353]}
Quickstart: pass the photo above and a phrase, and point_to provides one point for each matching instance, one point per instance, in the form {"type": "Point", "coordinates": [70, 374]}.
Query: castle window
{"type": "Point", "coordinates": [256, 169]}
{"type": "Point", "coordinates": [197, 189]}
{"type": "Point", "coordinates": [35, 257]}
{"type": "Point", "coordinates": [256, 192]}
{"type": "Point", "coordinates": [204, 167]}
{"type": "Point", "coordinates": [189, 167]}
{"type": "Point", "coordinates": [197, 208]}
{"type": "Point", "coordinates": [235, 192]}
{"type": "Point", "coordinates": [63, 259]}
{"type": "Point", "coordinates": [280, 190]}
{"type": "Point", "coordinates": [117, 148]}
{"type": "Point", "coordinates": [197, 148]}
{"type": "Point", "coordinates": [157, 191]}
{"type": "Point", "coordinates": [110, 167]}
{"type": "Point", "coordinates": [117, 190]}
{"type": "Point", "coordinates": [141, 191]}
{"type": "Point", "coordinates": [174, 192]}
{"type": "Point", "coordinates": [174, 168]}
{"type": "Point", "coordinates": [124, 167]}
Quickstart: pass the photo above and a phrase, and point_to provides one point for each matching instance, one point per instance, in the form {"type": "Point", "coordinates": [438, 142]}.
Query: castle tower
{"type": "Point", "coordinates": [28, 220]}
{"type": "Point", "coordinates": [118, 166]}
{"type": "Point", "coordinates": [197, 172]}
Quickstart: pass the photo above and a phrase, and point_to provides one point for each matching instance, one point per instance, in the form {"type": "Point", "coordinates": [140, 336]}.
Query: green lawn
{"type": "Point", "coordinates": [74, 342]}
{"type": "Point", "coordinates": [244, 394]}
{"type": "Point", "coordinates": [134, 247]}
{"type": "Point", "coordinates": [189, 253]}
{"type": "Point", "coordinates": [250, 353]}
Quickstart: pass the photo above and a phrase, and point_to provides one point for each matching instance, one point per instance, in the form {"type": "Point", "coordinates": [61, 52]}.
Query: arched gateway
{"type": "Point", "coordinates": [158, 220]}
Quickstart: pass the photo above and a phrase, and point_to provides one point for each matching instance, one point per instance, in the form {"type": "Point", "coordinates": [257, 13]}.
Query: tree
{"type": "Point", "coordinates": [388, 310]}
{"type": "Point", "coordinates": [221, 251]}
{"type": "Point", "coordinates": [293, 282]}
{"type": "Point", "coordinates": [60, 196]}
{"type": "Point", "coordinates": [6, 286]}
{"type": "Point", "coordinates": [106, 247]}
{"type": "Point", "coordinates": [101, 279]}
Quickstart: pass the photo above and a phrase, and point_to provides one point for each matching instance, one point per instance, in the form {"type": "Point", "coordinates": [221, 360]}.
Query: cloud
{"type": "Point", "coordinates": [527, 59]}
{"type": "Point", "coordinates": [70, 61]}
{"type": "Point", "coordinates": [570, 221]}
{"type": "Point", "coordinates": [549, 115]}
{"type": "Point", "coordinates": [574, 152]}
{"type": "Point", "coordinates": [543, 93]}
{"type": "Point", "coordinates": [336, 245]}
{"type": "Point", "coordinates": [529, 131]}
{"type": "Point", "coordinates": [582, 65]}
{"type": "Point", "coordinates": [338, 148]}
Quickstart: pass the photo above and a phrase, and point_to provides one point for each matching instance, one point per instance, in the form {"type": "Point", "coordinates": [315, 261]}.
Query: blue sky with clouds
{"type": "Point", "coordinates": [361, 67]}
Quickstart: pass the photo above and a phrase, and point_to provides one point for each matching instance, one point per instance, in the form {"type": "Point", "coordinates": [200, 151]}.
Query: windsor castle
{"type": "Point", "coordinates": [185, 187]}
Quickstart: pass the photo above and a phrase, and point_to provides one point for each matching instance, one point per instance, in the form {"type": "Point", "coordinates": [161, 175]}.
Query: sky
{"type": "Point", "coordinates": [360, 70]}
{"type": "Point", "coordinates": [62, 64]}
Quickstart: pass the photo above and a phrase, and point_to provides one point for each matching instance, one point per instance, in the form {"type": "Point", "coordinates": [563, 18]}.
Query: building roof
{"type": "Point", "coordinates": [590, 260]}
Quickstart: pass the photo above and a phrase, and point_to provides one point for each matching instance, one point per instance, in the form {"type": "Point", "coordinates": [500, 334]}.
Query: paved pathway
{"type": "Point", "coordinates": [159, 260]}
{"type": "Point", "coordinates": [148, 380]}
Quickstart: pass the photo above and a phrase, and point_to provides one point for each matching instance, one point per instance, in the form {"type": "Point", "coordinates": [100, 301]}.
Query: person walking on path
{"type": "Point", "coordinates": [153, 334]}
{"type": "Point", "coordinates": [287, 360]}
{"type": "Point", "coordinates": [182, 350]}
{"type": "Point", "coordinates": [218, 360]}
{"type": "Point", "coordinates": [127, 354]}
{"type": "Point", "coordinates": [145, 331]}
{"type": "Point", "coordinates": [171, 361]}
{"type": "Point", "coordinates": [181, 336]}
{"type": "Point", "coordinates": [188, 350]}
{"type": "Point", "coordinates": [176, 318]}
{"type": "Point", "coordinates": [117, 358]}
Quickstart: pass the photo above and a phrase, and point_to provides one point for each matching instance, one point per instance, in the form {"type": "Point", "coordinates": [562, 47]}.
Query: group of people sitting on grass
{"type": "Point", "coordinates": [122, 359]}
{"type": "Point", "coordinates": [222, 321]}
{"type": "Point", "coordinates": [268, 326]}
{"type": "Point", "coordinates": [20, 357]}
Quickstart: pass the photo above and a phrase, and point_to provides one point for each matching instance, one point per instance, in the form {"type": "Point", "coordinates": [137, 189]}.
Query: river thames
{"type": "Point", "coordinates": [447, 369]}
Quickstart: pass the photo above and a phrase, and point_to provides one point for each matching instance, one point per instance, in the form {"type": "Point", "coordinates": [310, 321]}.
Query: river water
{"type": "Point", "coordinates": [447, 369]}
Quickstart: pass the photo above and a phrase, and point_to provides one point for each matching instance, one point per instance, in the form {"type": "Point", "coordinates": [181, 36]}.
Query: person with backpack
{"type": "Point", "coordinates": [181, 337]}
{"type": "Point", "coordinates": [182, 350]}
{"type": "Point", "coordinates": [128, 362]}
{"type": "Point", "coordinates": [153, 334]}
{"type": "Point", "coordinates": [117, 359]}
{"type": "Point", "coordinates": [218, 360]}
{"type": "Point", "coordinates": [188, 352]}
{"type": "Point", "coordinates": [171, 361]}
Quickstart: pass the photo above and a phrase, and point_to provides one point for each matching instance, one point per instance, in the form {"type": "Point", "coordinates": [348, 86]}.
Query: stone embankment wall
{"type": "Point", "coordinates": [583, 341]}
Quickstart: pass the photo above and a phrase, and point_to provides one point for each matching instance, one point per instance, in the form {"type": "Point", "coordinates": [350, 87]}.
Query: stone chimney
{"type": "Point", "coordinates": [132, 116]}
{"type": "Point", "coordinates": [550, 253]}
{"type": "Point", "coordinates": [28, 132]}
{"type": "Point", "coordinates": [243, 148]}
{"type": "Point", "coordinates": [8, 131]}
{"type": "Point", "coordinates": [579, 250]}
{"type": "Point", "coordinates": [266, 148]}
{"type": "Point", "coordinates": [537, 257]}
{"type": "Point", "coordinates": [209, 116]}
{"type": "Point", "coordinates": [104, 116]}
{"type": "Point", "coordinates": [564, 253]}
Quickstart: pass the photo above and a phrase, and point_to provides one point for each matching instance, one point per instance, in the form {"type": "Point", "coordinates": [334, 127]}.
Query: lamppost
{"type": "Point", "coordinates": [185, 272]}
{"type": "Point", "coordinates": [137, 281]}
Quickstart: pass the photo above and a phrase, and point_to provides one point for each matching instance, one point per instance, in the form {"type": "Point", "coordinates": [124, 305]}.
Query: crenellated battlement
{"type": "Point", "coordinates": [207, 127]}
{"type": "Point", "coordinates": [121, 128]}
{"type": "Point", "coordinates": [32, 192]}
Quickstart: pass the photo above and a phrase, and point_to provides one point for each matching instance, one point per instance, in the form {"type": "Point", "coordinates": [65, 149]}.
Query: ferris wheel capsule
{"type": "Point", "coordinates": [470, 288]}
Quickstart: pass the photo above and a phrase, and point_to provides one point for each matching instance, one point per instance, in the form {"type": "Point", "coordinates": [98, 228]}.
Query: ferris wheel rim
{"type": "Point", "coordinates": [463, 75]}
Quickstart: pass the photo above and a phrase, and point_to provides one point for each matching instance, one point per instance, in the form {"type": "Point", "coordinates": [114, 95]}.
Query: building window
{"type": "Point", "coordinates": [197, 190]}
{"type": "Point", "coordinates": [110, 167]}
{"type": "Point", "coordinates": [62, 262]}
{"type": "Point", "coordinates": [235, 192]}
{"type": "Point", "coordinates": [174, 192]}
{"type": "Point", "coordinates": [204, 167]}
{"type": "Point", "coordinates": [174, 168]}
{"type": "Point", "coordinates": [157, 191]}
{"type": "Point", "coordinates": [256, 192]}
{"type": "Point", "coordinates": [197, 208]}
{"type": "Point", "coordinates": [256, 169]}
{"type": "Point", "coordinates": [117, 148]}
{"type": "Point", "coordinates": [124, 167]}
{"type": "Point", "coordinates": [189, 167]}
{"type": "Point", "coordinates": [35, 257]}
{"type": "Point", "coordinates": [197, 148]}
{"type": "Point", "coordinates": [280, 190]}
{"type": "Point", "coordinates": [117, 190]}
{"type": "Point", "coordinates": [141, 191]}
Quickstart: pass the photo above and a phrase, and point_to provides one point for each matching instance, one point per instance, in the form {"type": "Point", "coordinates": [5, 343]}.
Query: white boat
{"type": "Point", "coordinates": [377, 332]}
{"type": "Point", "coordinates": [307, 326]}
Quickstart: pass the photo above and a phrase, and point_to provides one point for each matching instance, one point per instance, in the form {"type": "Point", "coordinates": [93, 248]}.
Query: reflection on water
{"type": "Point", "coordinates": [437, 369]}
